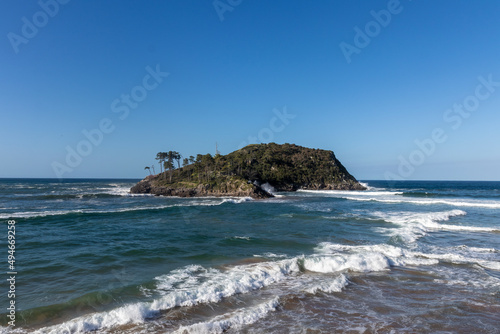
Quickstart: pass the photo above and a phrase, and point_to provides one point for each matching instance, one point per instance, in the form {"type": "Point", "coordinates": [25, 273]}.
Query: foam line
{"type": "Point", "coordinates": [233, 320]}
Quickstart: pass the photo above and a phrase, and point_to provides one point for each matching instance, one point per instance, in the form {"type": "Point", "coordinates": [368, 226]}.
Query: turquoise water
{"type": "Point", "coordinates": [402, 257]}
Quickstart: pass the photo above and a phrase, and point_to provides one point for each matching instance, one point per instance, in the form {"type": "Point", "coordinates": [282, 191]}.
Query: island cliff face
{"type": "Point", "coordinates": [250, 171]}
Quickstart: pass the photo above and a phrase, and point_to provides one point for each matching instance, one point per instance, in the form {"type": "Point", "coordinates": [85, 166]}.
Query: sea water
{"type": "Point", "coordinates": [401, 257]}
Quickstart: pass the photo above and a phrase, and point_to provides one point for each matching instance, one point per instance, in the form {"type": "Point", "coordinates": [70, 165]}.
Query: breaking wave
{"type": "Point", "coordinates": [414, 225]}
{"type": "Point", "coordinates": [419, 198]}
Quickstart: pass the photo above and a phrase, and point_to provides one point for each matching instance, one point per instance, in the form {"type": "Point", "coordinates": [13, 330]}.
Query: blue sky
{"type": "Point", "coordinates": [383, 84]}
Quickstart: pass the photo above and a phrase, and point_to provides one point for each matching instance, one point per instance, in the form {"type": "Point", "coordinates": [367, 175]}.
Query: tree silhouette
{"type": "Point", "coordinates": [169, 165]}
{"type": "Point", "coordinates": [170, 156]}
{"type": "Point", "coordinates": [185, 162]}
{"type": "Point", "coordinates": [148, 168]}
{"type": "Point", "coordinates": [198, 166]}
{"type": "Point", "coordinates": [208, 162]}
{"type": "Point", "coordinates": [177, 156]}
{"type": "Point", "coordinates": [161, 156]}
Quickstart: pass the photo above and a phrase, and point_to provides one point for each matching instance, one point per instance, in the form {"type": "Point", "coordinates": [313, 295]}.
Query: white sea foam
{"type": "Point", "coordinates": [483, 257]}
{"type": "Point", "coordinates": [375, 257]}
{"type": "Point", "coordinates": [460, 259]}
{"type": "Point", "coordinates": [355, 262]}
{"type": "Point", "coordinates": [427, 218]}
{"type": "Point", "coordinates": [467, 228]}
{"type": "Point", "coordinates": [187, 286]}
{"type": "Point", "coordinates": [194, 284]}
{"type": "Point", "coordinates": [125, 191]}
{"type": "Point", "coordinates": [271, 255]}
{"type": "Point", "coordinates": [384, 196]}
{"type": "Point", "coordinates": [413, 225]}
{"type": "Point", "coordinates": [28, 214]}
{"type": "Point", "coordinates": [232, 320]}
{"type": "Point", "coordinates": [346, 193]}
{"type": "Point", "coordinates": [115, 189]}
{"type": "Point", "coordinates": [382, 256]}
{"type": "Point", "coordinates": [460, 203]}
{"type": "Point", "coordinates": [214, 285]}
{"type": "Point", "coordinates": [314, 207]}
{"type": "Point", "coordinates": [187, 203]}
{"type": "Point", "coordinates": [466, 278]}
{"type": "Point", "coordinates": [331, 258]}
{"type": "Point", "coordinates": [65, 212]}
{"type": "Point", "coordinates": [364, 184]}
{"type": "Point", "coordinates": [242, 238]}
{"type": "Point", "coordinates": [476, 249]}
{"type": "Point", "coordinates": [268, 188]}
{"type": "Point", "coordinates": [11, 330]}
{"type": "Point", "coordinates": [327, 285]}
{"type": "Point", "coordinates": [236, 200]}
{"type": "Point", "coordinates": [211, 201]}
{"type": "Point", "coordinates": [183, 278]}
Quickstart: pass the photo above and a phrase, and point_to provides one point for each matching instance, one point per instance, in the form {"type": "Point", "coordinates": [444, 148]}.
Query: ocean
{"type": "Point", "coordinates": [401, 257]}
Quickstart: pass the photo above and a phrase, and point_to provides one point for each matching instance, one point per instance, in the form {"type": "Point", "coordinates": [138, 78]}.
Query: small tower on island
{"type": "Point", "coordinates": [216, 149]}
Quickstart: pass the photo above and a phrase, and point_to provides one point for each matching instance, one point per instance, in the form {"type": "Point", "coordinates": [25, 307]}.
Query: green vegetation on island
{"type": "Point", "coordinates": [250, 171]}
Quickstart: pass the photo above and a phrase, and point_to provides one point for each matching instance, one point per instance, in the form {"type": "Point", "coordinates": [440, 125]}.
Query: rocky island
{"type": "Point", "coordinates": [251, 171]}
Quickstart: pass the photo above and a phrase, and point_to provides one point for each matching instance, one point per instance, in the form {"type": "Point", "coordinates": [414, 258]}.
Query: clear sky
{"type": "Point", "coordinates": [397, 89]}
